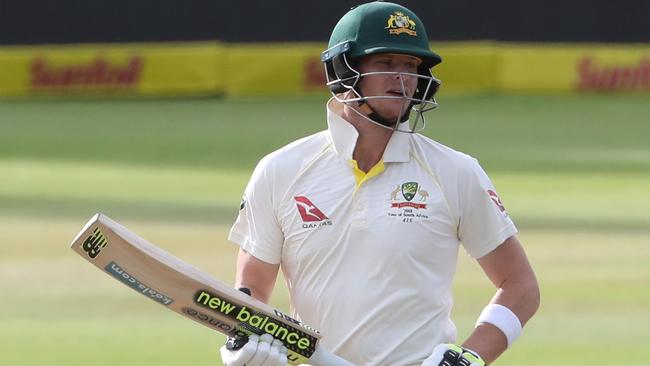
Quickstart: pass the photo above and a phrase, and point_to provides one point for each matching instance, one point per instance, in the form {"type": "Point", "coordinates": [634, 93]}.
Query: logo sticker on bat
{"type": "Point", "coordinates": [94, 244]}
{"type": "Point", "coordinates": [128, 279]}
{"type": "Point", "coordinates": [252, 322]}
{"type": "Point", "coordinates": [210, 321]}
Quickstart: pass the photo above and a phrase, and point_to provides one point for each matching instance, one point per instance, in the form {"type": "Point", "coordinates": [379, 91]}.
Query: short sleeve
{"type": "Point", "coordinates": [256, 229]}
{"type": "Point", "coordinates": [484, 221]}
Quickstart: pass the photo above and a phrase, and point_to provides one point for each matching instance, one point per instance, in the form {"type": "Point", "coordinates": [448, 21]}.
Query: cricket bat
{"type": "Point", "coordinates": [180, 287]}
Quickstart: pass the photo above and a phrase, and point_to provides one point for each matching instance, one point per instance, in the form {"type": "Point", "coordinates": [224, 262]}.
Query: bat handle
{"type": "Point", "coordinates": [322, 357]}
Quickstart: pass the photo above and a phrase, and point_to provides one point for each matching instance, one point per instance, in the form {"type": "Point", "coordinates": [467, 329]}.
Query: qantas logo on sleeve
{"type": "Point", "coordinates": [311, 215]}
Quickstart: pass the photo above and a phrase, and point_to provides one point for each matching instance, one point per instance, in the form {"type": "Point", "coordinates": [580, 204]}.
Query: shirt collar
{"type": "Point", "coordinates": [344, 137]}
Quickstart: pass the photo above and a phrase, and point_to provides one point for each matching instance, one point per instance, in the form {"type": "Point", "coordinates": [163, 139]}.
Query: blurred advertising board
{"type": "Point", "coordinates": [293, 69]}
{"type": "Point", "coordinates": [108, 69]}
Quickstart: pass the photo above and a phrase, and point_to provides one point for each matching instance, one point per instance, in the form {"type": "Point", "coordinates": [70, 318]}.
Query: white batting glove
{"type": "Point", "coordinates": [453, 355]}
{"type": "Point", "coordinates": [258, 351]}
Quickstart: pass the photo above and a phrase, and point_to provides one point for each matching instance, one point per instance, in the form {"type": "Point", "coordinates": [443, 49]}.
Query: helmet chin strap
{"type": "Point", "coordinates": [366, 112]}
{"type": "Point", "coordinates": [375, 116]}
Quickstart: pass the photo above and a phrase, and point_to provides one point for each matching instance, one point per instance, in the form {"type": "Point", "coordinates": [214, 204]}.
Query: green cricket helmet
{"type": "Point", "coordinates": [374, 28]}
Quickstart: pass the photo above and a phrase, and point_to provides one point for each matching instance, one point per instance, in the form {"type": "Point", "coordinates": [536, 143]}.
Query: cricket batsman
{"type": "Point", "coordinates": [366, 218]}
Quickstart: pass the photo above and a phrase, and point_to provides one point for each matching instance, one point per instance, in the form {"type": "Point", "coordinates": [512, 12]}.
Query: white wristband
{"type": "Point", "coordinates": [502, 318]}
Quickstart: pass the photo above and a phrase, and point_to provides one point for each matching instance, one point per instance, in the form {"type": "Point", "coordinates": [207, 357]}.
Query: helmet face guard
{"type": "Point", "coordinates": [343, 78]}
{"type": "Point", "coordinates": [381, 28]}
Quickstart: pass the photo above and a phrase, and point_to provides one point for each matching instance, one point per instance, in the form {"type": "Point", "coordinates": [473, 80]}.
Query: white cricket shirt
{"type": "Point", "coordinates": [369, 261]}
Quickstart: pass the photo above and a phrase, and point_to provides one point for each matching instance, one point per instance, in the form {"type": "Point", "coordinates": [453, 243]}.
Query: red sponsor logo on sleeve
{"type": "Point", "coordinates": [497, 201]}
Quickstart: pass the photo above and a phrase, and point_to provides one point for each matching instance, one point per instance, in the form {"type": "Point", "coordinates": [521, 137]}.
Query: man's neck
{"type": "Point", "coordinates": [372, 140]}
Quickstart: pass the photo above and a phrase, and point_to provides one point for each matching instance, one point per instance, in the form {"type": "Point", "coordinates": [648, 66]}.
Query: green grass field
{"type": "Point", "coordinates": [574, 172]}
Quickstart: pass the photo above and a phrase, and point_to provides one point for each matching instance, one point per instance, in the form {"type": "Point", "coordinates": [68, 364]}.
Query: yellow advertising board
{"type": "Point", "coordinates": [290, 69]}
{"type": "Point", "coordinates": [573, 68]}
{"type": "Point", "coordinates": [275, 69]}
{"type": "Point", "coordinates": [467, 67]}
{"type": "Point", "coordinates": [126, 69]}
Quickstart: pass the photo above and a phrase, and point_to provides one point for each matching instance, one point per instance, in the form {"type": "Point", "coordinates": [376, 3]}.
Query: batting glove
{"type": "Point", "coordinates": [258, 351]}
{"type": "Point", "coordinates": [453, 355]}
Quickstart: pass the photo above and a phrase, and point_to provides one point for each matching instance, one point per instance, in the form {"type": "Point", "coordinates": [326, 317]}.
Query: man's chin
{"type": "Point", "coordinates": [393, 115]}
{"type": "Point", "coordinates": [385, 122]}
{"type": "Point", "coordinates": [386, 119]}
{"type": "Point", "coordinates": [393, 112]}
{"type": "Point", "coordinates": [388, 116]}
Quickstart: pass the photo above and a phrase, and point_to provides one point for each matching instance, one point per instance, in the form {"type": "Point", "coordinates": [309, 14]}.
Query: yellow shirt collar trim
{"type": "Point", "coordinates": [360, 176]}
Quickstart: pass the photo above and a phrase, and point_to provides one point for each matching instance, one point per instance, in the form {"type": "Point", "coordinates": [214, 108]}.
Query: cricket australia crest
{"type": "Point", "coordinates": [405, 207]}
{"type": "Point", "coordinates": [409, 189]}
{"type": "Point", "coordinates": [399, 23]}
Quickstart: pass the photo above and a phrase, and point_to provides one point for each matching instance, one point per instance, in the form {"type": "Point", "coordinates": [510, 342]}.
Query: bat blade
{"type": "Point", "coordinates": [186, 290]}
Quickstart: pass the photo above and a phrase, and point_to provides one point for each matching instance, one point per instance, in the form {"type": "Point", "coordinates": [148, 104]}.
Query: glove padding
{"type": "Point", "coordinates": [453, 355]}
{"type": "Point", "coordinates": [258, 351]}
